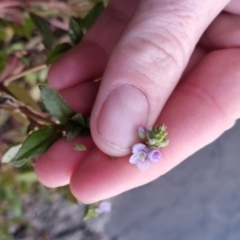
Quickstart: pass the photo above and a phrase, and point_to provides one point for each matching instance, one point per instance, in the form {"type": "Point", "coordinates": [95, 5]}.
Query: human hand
{"type": "Point", "coordinates": [155, 71]}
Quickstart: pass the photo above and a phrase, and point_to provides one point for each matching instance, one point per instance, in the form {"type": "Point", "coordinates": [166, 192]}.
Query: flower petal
{"type": "Point", "coordinates": [154, 156]}
{"type": "Point", "coordinates": [143, 165]}
{"type": "Point", "coordinates": [138, 147]}
{"type": "Point", "coordinates": [104, 207]}
{"type": "Point", "coordinates": [134, 159]}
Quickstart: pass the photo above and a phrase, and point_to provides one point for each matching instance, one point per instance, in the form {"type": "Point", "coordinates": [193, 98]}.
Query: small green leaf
{"type": "Point", "coordinates": [90, 212]}
{"type": "Point", "coordinates": [72, 130]}
{"type": "Point", "coordinates": [79, 119]}
{"type": "Point", "coordinates": [56, 105]}
{"type": "Point", "coordinates": [45, 30]}
{"type": "Point", "coordinates": [75, 30]}
{"type": "Point", "coordinates": [19, 163]}
{"type": "Point", "coordinates": [80, 148]}
{"type": "Point", "coordinates": [93, 15]}
{"type": "Point", "coordinates": [36, 143]}
{"type": "Point", "coordinates": [10, 154]}
{"type": "Point", "coordinates": [56, 52]}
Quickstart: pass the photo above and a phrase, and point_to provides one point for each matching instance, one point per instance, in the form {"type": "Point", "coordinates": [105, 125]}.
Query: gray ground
{"type": "Point", "coordinates": [198, 200]}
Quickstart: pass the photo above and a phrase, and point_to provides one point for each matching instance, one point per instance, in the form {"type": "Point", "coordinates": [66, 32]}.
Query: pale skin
{"type": "Point", "coordinates": [155, 70]}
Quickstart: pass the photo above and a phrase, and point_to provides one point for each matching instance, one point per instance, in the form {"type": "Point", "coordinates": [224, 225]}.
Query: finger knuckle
{"type": "Point", "coordinates": [156, 56]}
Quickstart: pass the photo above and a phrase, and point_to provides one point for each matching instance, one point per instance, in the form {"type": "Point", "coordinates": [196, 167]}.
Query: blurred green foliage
{"type": "Point", "coordinates": [32, 38]}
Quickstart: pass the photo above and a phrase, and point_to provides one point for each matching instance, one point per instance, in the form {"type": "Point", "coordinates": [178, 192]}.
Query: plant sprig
{"type": "Point", "coordinates": [68, 123]}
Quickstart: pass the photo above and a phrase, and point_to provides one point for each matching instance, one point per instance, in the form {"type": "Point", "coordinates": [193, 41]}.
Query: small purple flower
{"type": "Point", "coordinates": [154, 155]}
{"type": "Point", "coordinates": [104, 207]}
{"type": "Point", "coordinates": [143, 156]}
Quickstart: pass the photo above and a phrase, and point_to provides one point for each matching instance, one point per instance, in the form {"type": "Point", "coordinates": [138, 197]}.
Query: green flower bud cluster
{"type": "Point", "coordinates": [157, 137]}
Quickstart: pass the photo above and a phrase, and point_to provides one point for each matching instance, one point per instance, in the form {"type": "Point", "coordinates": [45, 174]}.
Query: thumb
{"type": "Point", "coordinates": [145, 66]}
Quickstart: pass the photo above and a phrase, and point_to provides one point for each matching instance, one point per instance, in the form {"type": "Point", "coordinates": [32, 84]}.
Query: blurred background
{"type": "Point", "coordinates": [199, 199]}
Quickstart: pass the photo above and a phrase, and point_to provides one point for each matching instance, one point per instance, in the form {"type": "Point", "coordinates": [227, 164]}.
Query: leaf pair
{"type": "Point", "coordinates": [39, 141]}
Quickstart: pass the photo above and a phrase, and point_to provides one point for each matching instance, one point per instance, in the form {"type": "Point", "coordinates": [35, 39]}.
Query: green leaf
{"type": "Point", "coordinates": [36, 143]}
{"type": "Point", "coordinates": [77, 125]}
{"type": "Point", "coordinates": [45, 30]}
{"type": "Point", "coordinates": [56, 52]}
{"type": "Point", "coordinates": [79, 119]}
{"type": "Point", "coordinates": [78, 26]}
{"type": "Point", "coordinates": [10, 154]}
{"type": "Point", "coordinates": [90, 212]}
{"type": "Point", "coordinates": [72, 130]}
{"type": "Point", "coordinates": [56, 105]}
{"type": "Point", "coordinates": [75, 30]}
{"type": "Point", "coordinates": [80, 148]}
{"type": "Point", "coordinates": [93, 15]}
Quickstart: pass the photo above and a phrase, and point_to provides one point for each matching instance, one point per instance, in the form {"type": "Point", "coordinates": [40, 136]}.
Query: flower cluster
{"type": "Point", "coordinates": [148, 152]}
{"type": "Point", "coordinates": [154, 137]}
{"type": "Point", "coordinates": [143, 156]}
{"type": "Point", "coordinates": [96, 209]}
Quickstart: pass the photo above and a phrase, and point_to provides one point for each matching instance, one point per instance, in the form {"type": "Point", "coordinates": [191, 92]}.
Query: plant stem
{"type": "Point", "coordinates": [24, 73]}
{"type": "Point", "coordinates": [38, 117]}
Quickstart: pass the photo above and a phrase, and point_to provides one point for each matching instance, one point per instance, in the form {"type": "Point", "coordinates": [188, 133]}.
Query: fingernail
{"type": "Point", "coordinates": [123, 112]}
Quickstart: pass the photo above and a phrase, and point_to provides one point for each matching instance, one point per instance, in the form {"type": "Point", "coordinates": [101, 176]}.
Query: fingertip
{"type": "Point", "coordinates": [55, 167]}
{"type": "Point", "coordinates": [83, 182]}
{"type": "Point", "coordinates": [45, 174]}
